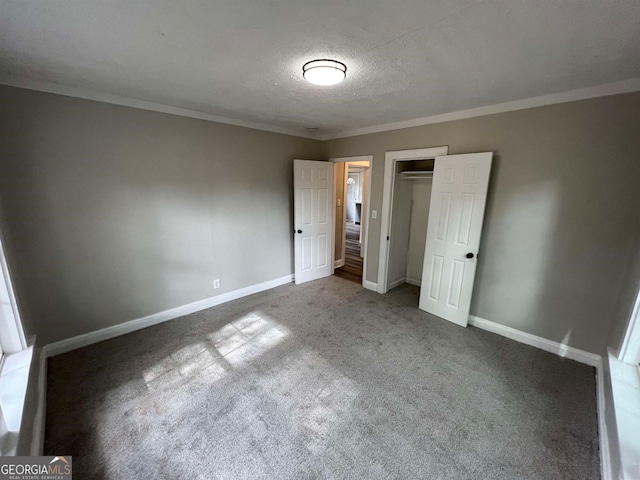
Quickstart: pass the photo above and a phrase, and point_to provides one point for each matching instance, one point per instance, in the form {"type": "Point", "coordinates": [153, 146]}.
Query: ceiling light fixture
{"type": "Point", "coordinates": [324, 72]}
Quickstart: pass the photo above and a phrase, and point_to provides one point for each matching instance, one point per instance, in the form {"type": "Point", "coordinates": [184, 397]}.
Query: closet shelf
{"type": "Point", "coordinates": [414, 174]}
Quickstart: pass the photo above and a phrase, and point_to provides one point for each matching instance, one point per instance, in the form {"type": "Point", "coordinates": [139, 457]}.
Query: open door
{"type": "Point", "coordinates": [458, 198]}
{"type": "Point", "coordinates": [313, 219]}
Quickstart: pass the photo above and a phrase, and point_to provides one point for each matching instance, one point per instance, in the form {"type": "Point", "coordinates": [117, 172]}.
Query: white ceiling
{"type": "Point", "coordinates": [242, 59]}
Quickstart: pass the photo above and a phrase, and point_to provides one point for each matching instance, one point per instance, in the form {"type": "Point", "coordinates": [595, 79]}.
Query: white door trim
{"type": "Point", "coordinates": [359, 171]}
{"type": "Point", "coordinates": [390, 160]}
{"type": "Point", "coordinates": [630, 348]}
{"type": "Point", "coordinates": [12, 338]}
{"type": "Point", "coordinates": [343, 242]}
{"type": "Point", "coordinates": [360, 158]}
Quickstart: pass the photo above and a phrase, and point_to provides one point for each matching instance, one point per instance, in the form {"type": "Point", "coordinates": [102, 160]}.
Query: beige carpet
{"type": "Point", "coordinates": [322, 380]}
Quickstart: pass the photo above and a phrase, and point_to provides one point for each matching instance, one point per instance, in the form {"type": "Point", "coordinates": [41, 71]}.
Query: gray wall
{"type": "Point", "coordinates": [400, 229]}
{"type": "Point", "coordinates": [420, 202]}
{"type": "Point", "coordinates": [562, 213]}
{"type": "Point", "coordinates": [112, 213]}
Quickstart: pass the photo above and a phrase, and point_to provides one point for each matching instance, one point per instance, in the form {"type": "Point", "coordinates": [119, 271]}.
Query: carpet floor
{"type": "Point", "coordinates": [321, 380]}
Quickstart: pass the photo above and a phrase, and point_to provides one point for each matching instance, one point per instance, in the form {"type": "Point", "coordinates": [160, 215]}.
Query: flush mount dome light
{"type": "Point", "coordinates": [324, 72]}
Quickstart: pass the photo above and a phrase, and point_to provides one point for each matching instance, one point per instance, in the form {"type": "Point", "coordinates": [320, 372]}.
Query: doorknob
{"type": "Point", "coordinates": [469, 255]}
{"type": "Point", "coordinates": [299, 231]}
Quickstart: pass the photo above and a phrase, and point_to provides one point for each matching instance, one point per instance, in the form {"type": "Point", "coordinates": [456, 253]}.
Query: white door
{"type": "Point", "coordinates": [313, 219]}
{"type": "Point", "coordinates": [456, 213]}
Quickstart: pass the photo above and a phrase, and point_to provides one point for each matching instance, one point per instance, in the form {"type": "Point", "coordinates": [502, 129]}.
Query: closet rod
{"type": "Point", "coordinates": [411, 174]}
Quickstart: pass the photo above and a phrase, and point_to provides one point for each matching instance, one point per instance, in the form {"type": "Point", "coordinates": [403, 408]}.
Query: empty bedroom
{"type": "Point", "coordinates": [296, 240]}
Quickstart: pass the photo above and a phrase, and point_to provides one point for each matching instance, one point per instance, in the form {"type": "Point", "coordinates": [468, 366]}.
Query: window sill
{"type": "Point", "coordinates": [13, 389]}
{"type": "Point", "coordinates": [625, 380]}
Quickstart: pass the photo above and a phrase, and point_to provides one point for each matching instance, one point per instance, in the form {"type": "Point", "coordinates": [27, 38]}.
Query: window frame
{"type": "Point", "coordinates": [12, 338]}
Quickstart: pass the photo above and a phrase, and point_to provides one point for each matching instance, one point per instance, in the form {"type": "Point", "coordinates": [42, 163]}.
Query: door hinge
{"type": "Point", "coordinates": [387, 237]}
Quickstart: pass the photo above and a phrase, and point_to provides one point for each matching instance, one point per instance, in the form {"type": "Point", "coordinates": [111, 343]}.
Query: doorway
{"type": "Point", "coordinates": [409, 219]}
{"type": "Point", "coordinates": [396, 232]}
{"type": "Point", "coordinates": [352, 179]}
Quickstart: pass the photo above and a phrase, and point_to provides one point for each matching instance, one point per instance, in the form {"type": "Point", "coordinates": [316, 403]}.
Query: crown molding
{"type": "Point", "coordinates": [77, 92]}
{"type": "Point", "coordinates": [624, 86]}
{"type": "Point", "coordinates": [614, 88]}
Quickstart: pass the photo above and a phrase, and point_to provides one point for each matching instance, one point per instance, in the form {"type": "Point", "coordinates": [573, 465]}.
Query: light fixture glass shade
{"type": "Point", "coordinates": [324, 72]}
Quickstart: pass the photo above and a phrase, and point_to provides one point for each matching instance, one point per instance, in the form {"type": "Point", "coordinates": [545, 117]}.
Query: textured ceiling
{"type": "Point", "coordinates": [242, 59]}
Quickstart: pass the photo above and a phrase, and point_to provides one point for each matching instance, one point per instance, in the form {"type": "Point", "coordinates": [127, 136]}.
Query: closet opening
{"type": "Point", "coordinates": [404, 216]}
{"type": "Point", "coordinates": [432, 213]}
{"type": "Point", "coordinates": [409, 217]}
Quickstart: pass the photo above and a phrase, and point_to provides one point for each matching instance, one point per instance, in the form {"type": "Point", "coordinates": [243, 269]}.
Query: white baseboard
{"type": "Point", "coordinates": [398, 282]}
{"type": "Point", "coordinates": [57, 348]}
{"type": "Point", "coordinates": [572, 353]}
{"type": "Point", "coordinates": [338, 263]}
{"type": "Point", "coordinates": [370, 285]}
{"type": "Point", "coordinates": [80, 341]}
{"type": "Point", "coordinates": [37, 439]}
{"type": "Point", "coordinates": [603, 434]}
{"type": "Point", "coordinates": [559, 349]}
{"type": "Point", "coordinates": [413, 281]}
{"type": "Point", "coordinates": [67, 345]}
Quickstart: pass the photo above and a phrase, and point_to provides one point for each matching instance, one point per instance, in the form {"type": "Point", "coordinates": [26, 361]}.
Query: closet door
{"type": "Point", "coordinates": [456, 214]}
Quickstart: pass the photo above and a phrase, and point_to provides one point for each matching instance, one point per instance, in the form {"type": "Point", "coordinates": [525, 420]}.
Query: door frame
{"type": "Point", "coordinates": [12, 338]}
{"type": "Point", "coordinates": [390, 160]}
{"type": "Point", "coordinates": [367, 187]}
{"type": "Point", "coordinates": [630, 349]}
{"type": "Point", "coordinates": [359, 171]}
